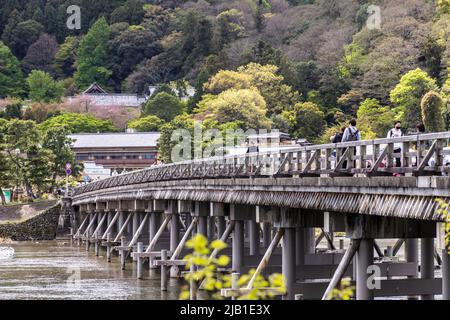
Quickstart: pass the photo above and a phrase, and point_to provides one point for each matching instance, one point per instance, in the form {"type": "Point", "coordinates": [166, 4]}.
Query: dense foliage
{"type": "Point", "coordinates": [305, 67]}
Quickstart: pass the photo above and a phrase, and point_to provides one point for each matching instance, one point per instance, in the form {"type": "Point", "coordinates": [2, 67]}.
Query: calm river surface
{"type": "Point", "coordinates": [58, 270]}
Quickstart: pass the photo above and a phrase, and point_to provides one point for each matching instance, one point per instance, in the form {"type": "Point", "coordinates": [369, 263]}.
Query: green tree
{"type": "Point", "coordinates": [265, 78]}
{"type": "Point", "coordinates": [11, 77]}
{"type": "Point", "coordinates": [146, 124]}
{"type": "Point", "coordinates": [407, 95]}
{"type": "Point", "coordinates": [166, 144]}
{"type": "Point", "coordinates": [29, 160]}
{"type": "Point", "coordinates": [306, 121]}
{"type": "Point", "coordinates": [165, 106]}
{"type": "Point", "coordinates": [24, 34]}
{"type": "Point", "coordinates": [12, 111]}
{"type": "Point", "coordinates": [78, 123]}
{"type": "Point", "coordinates": [42, 87]}
{"type": "Point", "coordinates": [246, 106]}
{"type": "Point", "coordinates": [93, 56]}
{"type": "Point", "coordinates": [130, 48]}
{"type": "Point", "coordinates": [57, 141]}
{"type": "Point", "coordinates": [65, 57]}
{"type": "Point", "coordinates": [443, 6]}
{"type": "Point", "coordinates": [373, 117]}
{"type": "Point", "coordinates": [13, 20]}
{"type": "Point", "coordinates": [432, 112]}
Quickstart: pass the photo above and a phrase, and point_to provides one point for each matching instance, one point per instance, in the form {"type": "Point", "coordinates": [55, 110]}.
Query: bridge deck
{"type": "Point", "coordinates": [355, 177]}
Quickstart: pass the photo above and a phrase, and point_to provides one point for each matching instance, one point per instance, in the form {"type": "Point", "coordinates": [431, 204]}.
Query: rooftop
{"type": "Point", "coordinates": [115, 140]}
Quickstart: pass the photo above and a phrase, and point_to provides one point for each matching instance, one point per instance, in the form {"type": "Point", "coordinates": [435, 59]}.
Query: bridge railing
{"type": "Point", "coordinates": [421, 154]}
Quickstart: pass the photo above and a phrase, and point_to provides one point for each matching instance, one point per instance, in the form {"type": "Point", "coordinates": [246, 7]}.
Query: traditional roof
{"type": "Point", "coordinates": [115, 140]}
{"type": "Point", "coordinates": [94, 88]}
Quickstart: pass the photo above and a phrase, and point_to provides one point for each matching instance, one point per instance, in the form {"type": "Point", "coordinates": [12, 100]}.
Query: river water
{"type": "Point", "coordinates": [58, 270]}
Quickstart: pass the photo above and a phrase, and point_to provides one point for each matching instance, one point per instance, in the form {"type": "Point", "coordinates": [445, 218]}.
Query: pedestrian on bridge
{"type": "Point", "coordinates": [396, 132]}
{"type": "Point", "coordinates": [351, 133]}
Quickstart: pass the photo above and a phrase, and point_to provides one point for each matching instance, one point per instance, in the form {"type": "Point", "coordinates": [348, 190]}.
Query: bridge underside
{"type": "Point", "coordinates": [399, 197]}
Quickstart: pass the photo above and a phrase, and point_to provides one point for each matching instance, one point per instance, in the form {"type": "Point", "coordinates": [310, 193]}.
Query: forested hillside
{"type": "Point", "coordinates": [297, 65]}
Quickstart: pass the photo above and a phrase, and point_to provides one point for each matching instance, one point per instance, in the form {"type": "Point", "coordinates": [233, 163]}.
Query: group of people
{"type": "Point", "coordinates": [351, 133]}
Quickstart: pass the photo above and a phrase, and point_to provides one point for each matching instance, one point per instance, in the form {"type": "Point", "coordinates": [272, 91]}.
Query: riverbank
{"type": "Point", "coordinates": [41, 225]}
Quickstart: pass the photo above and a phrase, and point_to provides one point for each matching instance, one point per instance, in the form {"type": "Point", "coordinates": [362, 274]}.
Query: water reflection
{"type": "Point", "coordinates": [58, 270]}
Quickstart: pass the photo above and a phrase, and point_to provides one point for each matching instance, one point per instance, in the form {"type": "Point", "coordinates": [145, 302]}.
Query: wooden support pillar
{"type": "Point", "coordinates": [238, 246]}
{"type": "Point", "coordinates": [240, 214]}
{"type": "Point", "coordinates": [122, 253]}
{"type": "Point", "coordinates": [136, 218]}
{"type": "Point", "coordinates": [221, 226]}
{"type": "Point", "coordinates": [266, 235]}
{"type": "Point", "coordinates": [202, 227]}
{"type": "Point", "coordinates": [289, 262]}
{"type": "Point", "coordinates": [140, 249]}
{"type": "Point", "coordinates": [202, 210]}
{"type": "Point", "coordinates": [364, 259]}
{"type": "Point", "coordinates": [445, 274]}
{"type": "Point", "coordinates": [211, 229]}
{"type": "Point", "coordinates": [174, 240]}
{"type": "Point", "coordinates": [310, 242]}
{"type": "Point", "coordinates": [164, 273]}
{"type": "Point", "coordinates": [108, 247]}
{"type": "Point", "coordinates": [412, 253]}
{"type": "Point", "coordinates": [427, 263]}
{"type": "Point", "coordinates": [300, 246]}
{"type": "Point", "coordinates": [254, 238]}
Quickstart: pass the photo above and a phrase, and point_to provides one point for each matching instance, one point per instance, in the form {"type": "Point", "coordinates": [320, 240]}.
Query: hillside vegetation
{"type": "Point", "coordinates": [302, 66]}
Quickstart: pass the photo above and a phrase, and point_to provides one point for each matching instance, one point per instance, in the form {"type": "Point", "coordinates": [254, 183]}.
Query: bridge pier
{"type": "Point", "coordinates": [267, 234]}
{"type": "Point", "coordinates": [254, 237]}
{"type": "Point", "coordinates": [172, 209]}
{"type": "Point", "coordinates": [300, 246]}
{"type": "Point", "coordinates": [364, 257]}
{"type": "Point", "coordinates": [202, 210]}
{"type": "Point", "coordinates": [427, 263]}
{"type": "Point", "coordinates": [219, 211]}
{"type": "Point", "coordinates": [411, 247]}
{"type": "Point", "coordinates": [445, 274]}
{"type": "Point", "coordinates": [289, 262]}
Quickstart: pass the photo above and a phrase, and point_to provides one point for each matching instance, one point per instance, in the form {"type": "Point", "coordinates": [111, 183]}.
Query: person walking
{"type": "Point", "coordinates": [396, 132]}
{"type": "Point", "coordinates": [337, 137]}
{"type": "Point", "coordinates": [252, 149]}
{"type": "Point", "coordinates": [351, 133]}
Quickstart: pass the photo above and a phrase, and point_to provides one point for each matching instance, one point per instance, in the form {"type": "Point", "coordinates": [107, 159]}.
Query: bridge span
{"type": "Point", "coordinates": [269, 207]}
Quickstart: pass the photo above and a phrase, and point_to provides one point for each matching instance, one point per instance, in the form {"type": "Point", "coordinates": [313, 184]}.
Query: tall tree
{"type": "Point", "coordinates": [407, 95]}
{"type": "Point", "coordinates": [165, 106]}
{"type": "Point", "coordinates": [23, 36]}
{"type": "Point", "coordinates": [375, 118]}
{"type": "Point", "coordinates": [432, 112]}
{"type": "Point", "coordinates": [65, 57]}
{"type": "Point", "coordinates": [93, 56]}
{"type": "Point", "coordinates": [43, 88]}
{"type": "Point", "coordinates": [11, 77]}
{"type": "Point", "coordinates": [306, 120]}
{"type": "Point", "coordinates": [14, 19]}
{"type": "Point", "coordinates": [41, 54]}
{"type": "Point", "coordinates": [57, 141]}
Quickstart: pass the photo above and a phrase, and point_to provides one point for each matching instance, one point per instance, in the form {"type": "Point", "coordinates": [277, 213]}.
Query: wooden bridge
{"type": "Point", "coordinates": [258, 201]}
